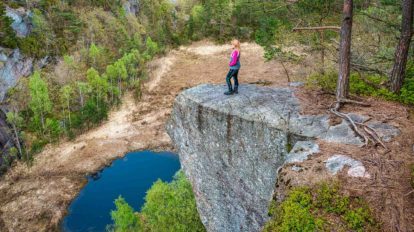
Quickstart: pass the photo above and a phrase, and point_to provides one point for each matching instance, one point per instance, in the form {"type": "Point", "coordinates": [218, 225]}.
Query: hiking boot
{"type": "Point", "coordinates": [236, 90]}
{"type": "Point", "coordinates": [230, 92]}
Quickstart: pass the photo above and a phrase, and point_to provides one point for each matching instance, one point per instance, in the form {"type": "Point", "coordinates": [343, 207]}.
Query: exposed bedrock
{"type": "Point", "coordinates": [231, 148]}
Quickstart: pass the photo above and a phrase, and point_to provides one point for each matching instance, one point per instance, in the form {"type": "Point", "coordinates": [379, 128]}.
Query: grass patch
{"type": "Point", "coordinates": [322, 208]}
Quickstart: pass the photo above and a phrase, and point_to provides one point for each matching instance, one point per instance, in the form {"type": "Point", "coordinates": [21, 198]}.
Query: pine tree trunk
{"type": "Point", "coordinates": [342, 89]}
{"type": "Point", "coordinates": [401, 53]}
{"type": "Point", "coordinates": [16, 134]}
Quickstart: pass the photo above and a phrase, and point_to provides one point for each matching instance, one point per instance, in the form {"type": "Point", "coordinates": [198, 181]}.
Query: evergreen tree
{"type": "Point", "coordinates": [124, 218]}
{"type": "Point", "coordinates": [7, 35]}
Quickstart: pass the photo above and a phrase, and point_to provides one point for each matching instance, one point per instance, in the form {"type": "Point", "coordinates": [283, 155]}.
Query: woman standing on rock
{"type": "Point", "coordinates": [234, 68]}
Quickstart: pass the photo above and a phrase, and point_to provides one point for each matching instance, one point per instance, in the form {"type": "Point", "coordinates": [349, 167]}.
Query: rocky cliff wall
{"type": "Point", "coordinates": [231, 148]}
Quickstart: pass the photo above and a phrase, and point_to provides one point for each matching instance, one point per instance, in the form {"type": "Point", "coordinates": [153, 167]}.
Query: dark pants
{"type": "Point", "coordinates": [232, 73]}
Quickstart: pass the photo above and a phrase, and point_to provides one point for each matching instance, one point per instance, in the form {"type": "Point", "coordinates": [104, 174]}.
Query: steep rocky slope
{"type": "Point", "coordinates": [231, 149]}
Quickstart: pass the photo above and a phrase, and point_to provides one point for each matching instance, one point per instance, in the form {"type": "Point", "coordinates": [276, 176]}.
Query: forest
{"type": "Point", "coordinates": [97, 51]}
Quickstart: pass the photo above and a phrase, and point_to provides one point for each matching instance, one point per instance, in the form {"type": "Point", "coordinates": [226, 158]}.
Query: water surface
{"type": "Point", "coordinates": [130, 177]}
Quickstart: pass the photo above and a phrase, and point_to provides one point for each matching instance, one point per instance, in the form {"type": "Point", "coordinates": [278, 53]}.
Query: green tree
{"type": "Point", "coordinates": [196, 22]}
{"type": "Point", "coordinates": [99, 85]}
{"type": "Point", "coordinates": [53, 129]}
{"type": "Point", "coordinates": [125, 220]}
{"type": "Point", "coordinates": [168, 207]}
{"type": "Point", "coordinates": [159, 15]}
{"type": "Point", "coordinates": [122, 73]}
{"type": "Point", "coordinates": [96, 56]}
{"type": "Point", "coordinates": [83, 89]}
{"type": "Point", "coordinates": [40, 103]}
{"type": "Point", "coordinates": [112, 75]}
{"type": "Point", "coordinates": [16, 121]}
{"type": "Point", "coordinates": [7, 35]}
{"type": "Point", "coordinates": [92, 114]}
{"type": "Point", "coordinates": [65, 99]}
{"type": "Point", "coordinates": [219, 13]}
{"type": "Point", "coordinates": [172, 206]}
{"type": "Point", "coordinates": [151, 48]}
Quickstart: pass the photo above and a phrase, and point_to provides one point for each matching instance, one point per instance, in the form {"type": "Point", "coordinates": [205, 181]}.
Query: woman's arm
{"type": "Point", "coordinates": [234, 58]}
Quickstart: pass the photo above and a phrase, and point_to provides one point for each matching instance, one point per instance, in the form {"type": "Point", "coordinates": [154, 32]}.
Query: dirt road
{"type": "Point", "coordinates": [36, 198]}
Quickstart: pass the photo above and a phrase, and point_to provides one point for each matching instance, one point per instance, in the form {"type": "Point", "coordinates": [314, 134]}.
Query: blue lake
{"type": "Point", "coordinates": [130, 177]}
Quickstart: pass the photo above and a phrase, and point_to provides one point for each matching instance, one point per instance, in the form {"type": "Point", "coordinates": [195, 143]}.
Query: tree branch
{"type": "Point", "coordinates": [334, 28]}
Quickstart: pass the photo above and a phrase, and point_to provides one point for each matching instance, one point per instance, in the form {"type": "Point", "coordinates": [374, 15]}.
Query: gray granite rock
{"type": "Point", "coordinates": [337, 162]}
{"type": "Point", "coordinates": [231, 148]}
{"type": "Point", "coordinates": [131, 6]}
{"type": "Point", "coordinates": [22, 21]}
{"type": "Point", "coordinates": [14, 67]}
{"type": "Point", "coordinates": [385, 131]}
{"type": "Point", "coordinates": [296, 84]}
{"type": "Point", "coordinates": [301, 151]}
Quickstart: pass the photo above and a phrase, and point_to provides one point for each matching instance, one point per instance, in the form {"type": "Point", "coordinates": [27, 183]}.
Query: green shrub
{"type": "Point", "coordinates": [124, 217]}
{"type": "Point", "coordinates": [313, 209]}
{"type": "Point", "coordinates": [168, 207]}
{"type": "Point", "coordinates": [359, 218]}
{"type": "Point", "coordinates": [294, 214]}
{"type": "Point", "coordinates": [329, 199]}
{"type": "Point", "coordinates": [151, 48]}
{"type": "Point", "coordinates": [172, 206]}
{"type": "Point", "coordinates": [93, 114]}
{"type": "Point", "coordinates": [38, 145]}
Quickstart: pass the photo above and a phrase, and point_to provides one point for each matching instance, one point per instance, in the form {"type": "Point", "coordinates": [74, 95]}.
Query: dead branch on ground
{"type": "Point", "coordinates": [334, 28]}
{"type": "Point", "coordinates": [367, 133]}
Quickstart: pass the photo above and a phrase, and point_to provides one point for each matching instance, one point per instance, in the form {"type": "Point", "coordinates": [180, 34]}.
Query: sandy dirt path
{"type": "Point", "coordinates": [36, 198]}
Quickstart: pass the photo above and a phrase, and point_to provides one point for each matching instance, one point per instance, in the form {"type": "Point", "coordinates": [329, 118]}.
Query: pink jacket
{"type": "Point", "coordinates": [235, 60]}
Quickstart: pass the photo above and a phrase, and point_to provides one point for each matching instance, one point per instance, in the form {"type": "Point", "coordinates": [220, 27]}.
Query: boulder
{"type": "Point", "coordinates": [338, 162]}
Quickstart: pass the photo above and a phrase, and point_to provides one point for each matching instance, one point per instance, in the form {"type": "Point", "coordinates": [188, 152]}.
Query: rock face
{"type": "Point", "coordinates": [231, 152]}
{"type": "Point", "coordinates": [22, 20]}
{"type": "Point", "coordinates": [131, 7]}
{"type": "Point", "coordinates": [13, 66]}
{"type": "Point", "coordinates": [231, 148]}
{"type": "Point", "coordinates": [301, 151]}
